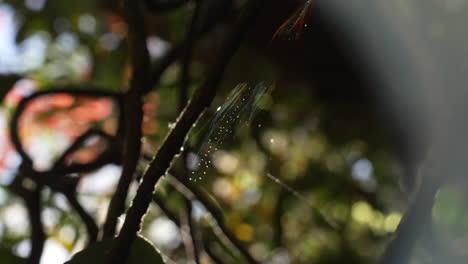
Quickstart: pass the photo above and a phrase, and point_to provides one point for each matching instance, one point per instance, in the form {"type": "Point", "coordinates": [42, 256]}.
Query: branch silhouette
{"type": "Point", "coordinates": [177, 136]}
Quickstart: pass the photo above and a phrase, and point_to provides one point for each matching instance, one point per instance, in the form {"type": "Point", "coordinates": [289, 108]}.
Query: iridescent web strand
{"type": "Point", "coordinates": [238, 111]}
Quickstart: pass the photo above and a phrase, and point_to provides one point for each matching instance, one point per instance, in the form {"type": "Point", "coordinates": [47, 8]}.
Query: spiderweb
{"type": "Point", "coordinates": [238, 111]}
{"type": "Point", "coordinates": [294, 26]}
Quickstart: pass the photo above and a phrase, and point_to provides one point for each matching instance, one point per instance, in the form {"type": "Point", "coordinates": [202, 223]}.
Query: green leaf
{"type": "Point", "coordinates": [33, 24]}
{"type": "Point", "coordinates": [142, 252]}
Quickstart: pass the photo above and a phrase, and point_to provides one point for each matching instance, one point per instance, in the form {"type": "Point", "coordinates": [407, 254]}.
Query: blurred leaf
{"type": "Point", "coordinates": [142, 252]}
{"type": "Point", "coordinates": [33, 24]}
{"type": "Point", "coordinates": [6, 82]}
{"type": "Point", "coordinates": [7, 257]}
{"type": "Point", "coordinates": [68, 8]}
{"type": "Point", "coordinates": [47, 18]}
{"type": "Point", "coordinates": [109, 69]}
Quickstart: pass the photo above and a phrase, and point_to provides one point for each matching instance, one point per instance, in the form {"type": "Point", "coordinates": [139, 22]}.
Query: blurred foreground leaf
{"type": "Point", "coordinates": [7, 257]}
{"type": "Point", "coordinates": [142, 252]}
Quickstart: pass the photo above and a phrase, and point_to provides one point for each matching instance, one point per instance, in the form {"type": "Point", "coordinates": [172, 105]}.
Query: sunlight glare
{"type": "Point", "coordinates": [163, 232]}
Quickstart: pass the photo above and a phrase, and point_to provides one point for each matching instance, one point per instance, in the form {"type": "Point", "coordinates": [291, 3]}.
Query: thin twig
{"type": "Point", "coordinates": [190, 241]}
{"type": "Point", "coordinates": [177, 51]}
{"type": "Point", "coordinates": [160, 203]}
{"type": "Point", "coordinates": [173, 217]}
{"type": "Point", "coordinates": [91, 226]}
{"type": "Point", "coordinates": [214, 258]}
{"type": "Point", "coordinates": [133, 106]}
{"type": "Point", "coordinates": [188, 233]}
{"type": "Point", "coordinates": [190, 41]}
{"type": "Point", "coordinates": [277, 240]}
{"type": "Point", "coordinates": [330, 223]}
{"type": "Point", "coordinates": [229, 236]}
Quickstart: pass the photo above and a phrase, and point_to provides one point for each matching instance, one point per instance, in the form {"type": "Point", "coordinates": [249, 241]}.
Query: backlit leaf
{"type": "Point", "coordinates": [142, 252]}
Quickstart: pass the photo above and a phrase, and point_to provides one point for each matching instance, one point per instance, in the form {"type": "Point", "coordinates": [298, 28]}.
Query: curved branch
{"type": "Point", "coordinates": [67, 186]}
{"type": "Point", "coordinates": [70, 89]}
{"type": "Point", "coordinates": [56, 177]}
{"type": "Point", "coordinates": [60, 163]}
{"type": "Point", "coordinates": [91, 226]}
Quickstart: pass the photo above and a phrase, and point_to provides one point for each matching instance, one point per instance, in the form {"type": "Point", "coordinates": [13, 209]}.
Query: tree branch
{"type": "Point", "coordinates": [57, 178]}
{"type": "Point", "coordinates": [91, 226]}
{"type": "Point", "coordinates": [177, 51]}
{"type": "Point", "coordinates": [190, 45]}
{"type": "Point", "coordinates": [176, 138]}
{"type": "Point", "coordinates": [218, 218]}
{"type": "Point", "coordinates": [414, 222]}
{"type": "Point", "coordinates": [32, 200]}
{"type": "Point", "coordinates": [172, 216]}
{"type": "Point", "coordinates": [68, 89]}
{"type": "Point", "coordinates": [60, 163]}
{"type": "Point", "coordinates": [133, 106]}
